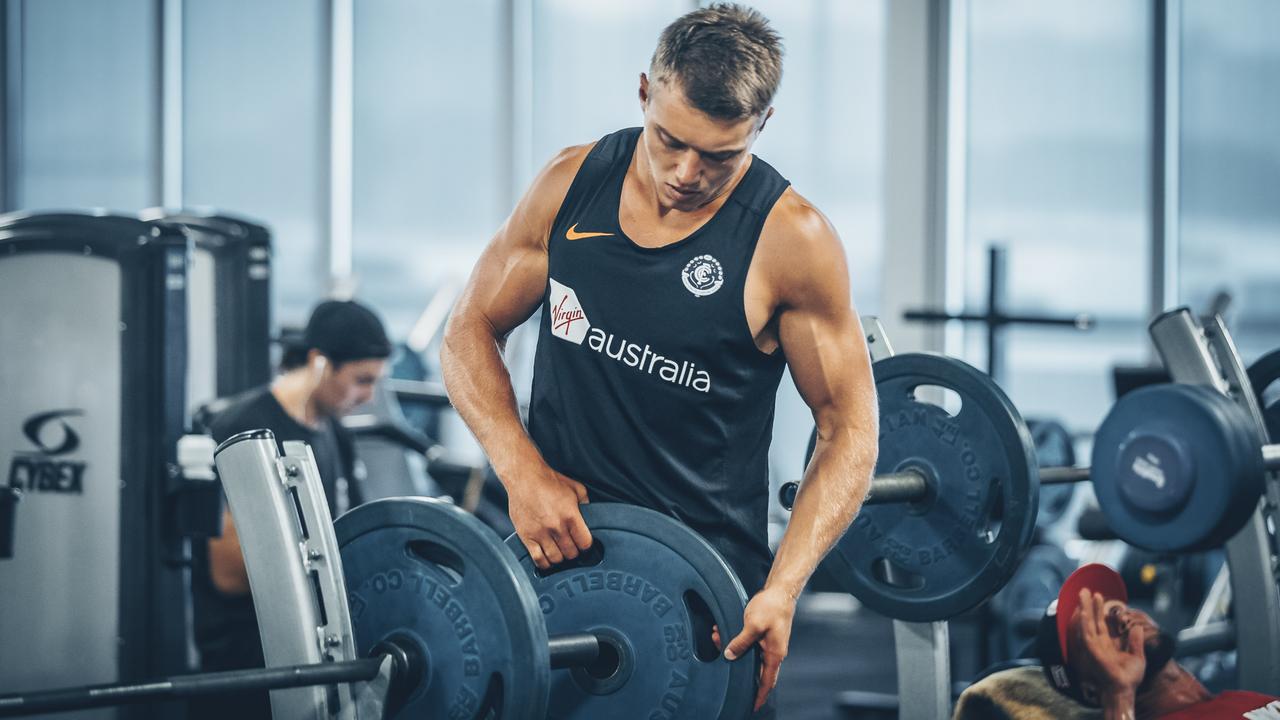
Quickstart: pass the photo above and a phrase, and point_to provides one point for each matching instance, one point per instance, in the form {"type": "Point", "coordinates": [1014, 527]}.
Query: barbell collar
{"type": "Point", "coordinates": [574, 650]}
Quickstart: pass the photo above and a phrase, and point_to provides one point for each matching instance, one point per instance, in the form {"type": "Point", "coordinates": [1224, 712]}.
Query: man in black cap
{"type": "Point", "coordinates": [1106, 656]}
{"type": "Point", "coordinates": [334, 368]}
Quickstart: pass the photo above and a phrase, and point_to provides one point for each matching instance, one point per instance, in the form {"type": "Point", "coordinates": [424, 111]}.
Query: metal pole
{"type": "Point", "coordinates": [92, 696]}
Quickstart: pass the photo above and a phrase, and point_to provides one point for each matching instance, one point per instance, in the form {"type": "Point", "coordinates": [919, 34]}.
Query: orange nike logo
{"type": "Point", "coordinates": [573, 234]}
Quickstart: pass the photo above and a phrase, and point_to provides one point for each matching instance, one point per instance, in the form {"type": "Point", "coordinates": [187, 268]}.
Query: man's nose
{"type": "Point", "coordinates": [687, 170]}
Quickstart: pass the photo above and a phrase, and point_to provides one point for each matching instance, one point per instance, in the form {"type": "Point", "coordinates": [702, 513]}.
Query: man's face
{"type": "Point", "coordinates": [1158, 646]}
{"type": "Point", "coordinates": [344, 387]}
{"type": "Point", "coordinates": [692, 156]}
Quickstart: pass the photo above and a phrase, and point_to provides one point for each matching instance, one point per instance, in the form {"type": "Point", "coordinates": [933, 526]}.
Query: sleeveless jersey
{"type": "Point", "coordinates": [648, 387]}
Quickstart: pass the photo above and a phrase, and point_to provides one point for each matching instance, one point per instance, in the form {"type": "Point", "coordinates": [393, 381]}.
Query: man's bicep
{"type": "Point", "coordinates": [506, 284]}
{"type": "Point", "coordinates": [819, 329]}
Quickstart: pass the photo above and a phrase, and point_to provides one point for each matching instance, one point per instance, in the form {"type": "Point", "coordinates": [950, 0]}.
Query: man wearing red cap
{"type": "Point", "coordinates": [1102, 653]}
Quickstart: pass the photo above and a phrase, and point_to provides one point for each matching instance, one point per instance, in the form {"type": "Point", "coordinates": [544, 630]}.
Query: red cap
{"type": "Point", "coordinates": [1097, 578]}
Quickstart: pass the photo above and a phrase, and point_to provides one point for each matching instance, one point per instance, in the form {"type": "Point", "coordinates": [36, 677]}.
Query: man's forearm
{"type": "Point", "coordinates": [829, 498]}
{"type": "Point", "coordinates": [1118, 706]}
{"type": "Point", "coordinates": [479, 386]}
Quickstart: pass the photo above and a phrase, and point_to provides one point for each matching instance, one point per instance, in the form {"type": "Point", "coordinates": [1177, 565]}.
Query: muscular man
{"type": "Point", "coordinates": [678, 275]}
{"type": "Point", "coordinates": [1103, 653]}
{"type": "Point", "coordinates": [342, 355]}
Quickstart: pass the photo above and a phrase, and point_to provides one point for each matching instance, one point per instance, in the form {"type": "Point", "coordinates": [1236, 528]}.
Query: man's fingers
{"type": "Point", "coordinates": [578, 533]}
{"type": "Point", "coordinates": [715, 637]}
{"type": "Point", "coordinates": [564, 545]}
{"type": "Point", "coordinates": [768, 677]}
{"type": "Point", "coordinates": [536, 554]}
{"type": "Point", "coordinates": [741, 644]}
{"type": "Point", "coordinates": [1136, 646]}
{"type": "Point", "coordinates": [581, 490]}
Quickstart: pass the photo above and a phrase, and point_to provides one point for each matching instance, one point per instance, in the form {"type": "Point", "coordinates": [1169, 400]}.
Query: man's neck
{"type": "Point", "coordinates": [295, 391]}
{"type": "Point", "coordinates": [1172, 689]}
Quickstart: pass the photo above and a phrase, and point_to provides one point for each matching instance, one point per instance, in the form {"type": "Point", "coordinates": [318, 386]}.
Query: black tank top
{"type": "Point", "coordinates": [648, 386]}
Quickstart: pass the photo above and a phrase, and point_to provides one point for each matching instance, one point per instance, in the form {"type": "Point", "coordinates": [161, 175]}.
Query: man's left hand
{"type": "Point", "coordinates": [767, 621]}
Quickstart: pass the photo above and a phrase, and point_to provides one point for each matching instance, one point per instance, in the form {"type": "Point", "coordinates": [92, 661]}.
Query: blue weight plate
{"type": "Point", "coordinates": [1054, 448]}
{"type": "Point", "coordinates": [1173, 468]}
{"type": "Point", "coordinates": [424, 570]}
{"type": "Point", "coordinates": [652, 588]}
{"type": "Point", "coordinates": [937, 558]}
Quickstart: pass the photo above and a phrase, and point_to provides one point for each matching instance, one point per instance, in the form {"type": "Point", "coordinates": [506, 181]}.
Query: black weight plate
{"type": "Point", "coordinates": [1054, 448]}
{"type": "Point", "coordinates": [1264, 373]}
{"type": "Point", "coordinates": [943, 556]}
{"type": "Point", "coordinates": [1019, 605]}
{"type": "Point", "coordinates": [641, 586]}
{"type": "Point", "coordinates": [1172, 468]}
{"type": "Point", "coordinates": [423, 569]}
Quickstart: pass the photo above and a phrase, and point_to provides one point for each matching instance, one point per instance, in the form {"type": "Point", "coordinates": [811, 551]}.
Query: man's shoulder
{"type": "Point", "coordinates": [250, 410]}
{"type": "Point", "coordinates": [800, 238]}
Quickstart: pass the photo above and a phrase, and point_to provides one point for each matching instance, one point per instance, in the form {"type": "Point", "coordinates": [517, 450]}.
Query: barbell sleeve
{"type": "Point", "coordinates": [911, 486]}
{"type": "Point", "coordinates": [574, 650]}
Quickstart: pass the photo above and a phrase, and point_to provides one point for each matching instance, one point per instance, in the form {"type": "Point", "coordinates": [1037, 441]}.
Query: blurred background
{"type": "Point", "coordinates": [1124, 154]}
{"type": "Point", "coordinates": [1108, 159]}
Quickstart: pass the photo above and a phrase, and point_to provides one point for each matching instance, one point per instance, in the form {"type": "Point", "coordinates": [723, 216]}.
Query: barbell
{"type": "Point", "coordinates": [442, 619]}
{"type": "Point", "coordinates": [952, 506]}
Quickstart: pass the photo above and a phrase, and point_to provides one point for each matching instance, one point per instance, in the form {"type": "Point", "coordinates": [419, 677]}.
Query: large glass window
{"type": "Point", "coordinates": [431, 158]}
{"type": "Point", "coordinates": [1230, 165]}
{"type": "Point", "coordinates": [587, 60]}
{"type": "Point", "coordinates": [256, 130]}
{"type": "Point", "coordinates": [826, 138]}
{"type": "Point", "coordinates": [87, 115]}
{"type": "Point", "coordinates": [1059, 117]}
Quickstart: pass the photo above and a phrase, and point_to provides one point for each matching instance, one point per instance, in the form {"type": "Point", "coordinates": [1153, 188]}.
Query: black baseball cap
{"type": "Point", "coordinates": [1051, 637]}
{"type": "Point", "coordinates": [345, 330]}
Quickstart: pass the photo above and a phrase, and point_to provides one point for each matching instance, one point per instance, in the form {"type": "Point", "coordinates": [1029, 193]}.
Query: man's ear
{"type": "Point", "coordinates": [644, 90]}
{"type": "Point", "coordinates": [768, 114]}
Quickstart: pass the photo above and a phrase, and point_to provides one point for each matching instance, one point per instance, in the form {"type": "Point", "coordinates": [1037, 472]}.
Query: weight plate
{"type": "Point", "coordinates": [1019, 605]}
{"type": "Point", "coordinates": [1264, 373]}
{"type": "Point", "coordinates": [1174, 468]}
{"type": "Point", "coordinates": [942, 556]}
{"type": "Point", "coordinates": [1054, 448]}
{"type": "Point", "coordinates": [653, 588]}
{"type": "Point", "coordinates": [424, 571]}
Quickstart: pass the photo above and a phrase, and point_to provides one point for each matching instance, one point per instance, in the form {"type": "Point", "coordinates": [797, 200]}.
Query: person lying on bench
{"type": "Point", "coordinates": [1100, 652]}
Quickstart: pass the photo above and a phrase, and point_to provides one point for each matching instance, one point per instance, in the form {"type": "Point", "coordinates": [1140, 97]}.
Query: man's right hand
{"type": "Point", "coordinates": [544, 511]}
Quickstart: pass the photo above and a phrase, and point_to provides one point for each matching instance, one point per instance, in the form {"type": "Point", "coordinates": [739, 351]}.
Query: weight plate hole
{"type": "Point", "coordinates": [945, 398]}
{"type": "Point", "coordinates": [491, 704]}
{"type": "Point", "coordinates": [990, 521]}
{"type": "Point", "coordinates": [437, 556]}
{"type": "Point", "coordinates": [590, 557]}
{"type": "Point", "coordinates": [887, 573]}
{"type": "Point", "coordinates": [701, 623]}
{"type": "Point", "coordinates": [607, 662]}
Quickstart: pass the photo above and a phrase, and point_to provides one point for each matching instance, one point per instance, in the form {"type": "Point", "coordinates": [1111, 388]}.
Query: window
{"type": "Point", "coordinates": [88, 118]}
{"type": "Point", "coordinates": [256, 131]}
{"type": "Point", "coordinates": [431, 154]}
{"type": "Point", "coordinates": [1230, 165]}
{"type": "Point", "coordinates": [1059, 117]}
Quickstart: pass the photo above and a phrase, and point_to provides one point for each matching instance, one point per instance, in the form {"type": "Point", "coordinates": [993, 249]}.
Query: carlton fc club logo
{"type": "Point", "coordinates": [702, 275]}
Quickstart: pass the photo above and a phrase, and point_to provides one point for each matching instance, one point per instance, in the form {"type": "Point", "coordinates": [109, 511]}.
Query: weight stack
{"type": "Point", "coordinates": [94, 338]}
